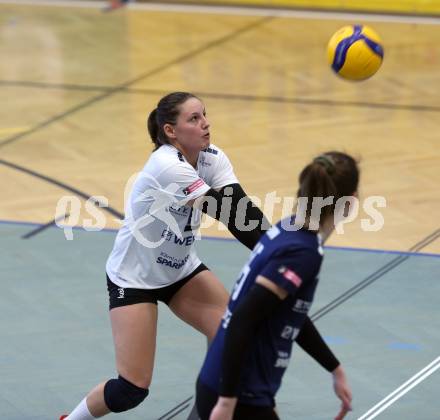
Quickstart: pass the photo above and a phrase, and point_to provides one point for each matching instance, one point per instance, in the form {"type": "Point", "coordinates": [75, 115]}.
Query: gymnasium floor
{"type": "Point", "coordinates": [77, 85]}
{"type": "Point", "coordinates": [57, 341]}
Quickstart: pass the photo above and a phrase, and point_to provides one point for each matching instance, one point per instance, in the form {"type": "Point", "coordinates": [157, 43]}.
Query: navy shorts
{"type": "Point", "coordinates": [120, 296]}
{"type": "Point", "coordinates": [206, 400]}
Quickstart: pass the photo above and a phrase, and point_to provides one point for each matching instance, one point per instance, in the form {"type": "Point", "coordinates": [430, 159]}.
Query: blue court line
{"type": "Point", "coordinates": [34, 224]}
{"type": "Point", "coordinates": [332, 340]}
{"type": "Point", "coordinates": [404, 346]}
{"type": "Point", "coordinates": [383, 251]}
{"type": "Point", "coordinates": [215, 238]}
{"type": "Point", "coordinates": [352, 249]}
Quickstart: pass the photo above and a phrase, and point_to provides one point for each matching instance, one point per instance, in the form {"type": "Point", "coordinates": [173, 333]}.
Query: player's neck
{"type": "Point", "coordinates": [191, 156]}
{"type": "Point", "coordinates": [326, 228]}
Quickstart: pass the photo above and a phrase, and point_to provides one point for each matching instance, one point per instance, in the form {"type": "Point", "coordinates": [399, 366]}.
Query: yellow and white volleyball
{"type": "Point", "coordinates": [355, 52]}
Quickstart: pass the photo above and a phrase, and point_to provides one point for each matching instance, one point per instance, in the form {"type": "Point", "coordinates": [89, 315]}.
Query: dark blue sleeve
{"type": "Point", "coordinates": [291, 269]}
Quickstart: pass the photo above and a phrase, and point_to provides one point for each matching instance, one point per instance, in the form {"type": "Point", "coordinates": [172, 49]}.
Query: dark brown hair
{"type": "Point", "coordinates": [166, 112]}
{"type": "Point", "coordinates": [331, 174]}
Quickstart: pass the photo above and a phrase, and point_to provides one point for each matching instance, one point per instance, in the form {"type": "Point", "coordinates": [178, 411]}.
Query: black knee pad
{"type": "Point", "coordinates": [121, 395]}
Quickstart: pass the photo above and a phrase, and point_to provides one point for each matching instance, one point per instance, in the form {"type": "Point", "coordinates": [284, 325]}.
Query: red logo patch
{"type": "Point", "coordinates": [291, 276]}
{"type": "Point", "coordinates": [197, 184]}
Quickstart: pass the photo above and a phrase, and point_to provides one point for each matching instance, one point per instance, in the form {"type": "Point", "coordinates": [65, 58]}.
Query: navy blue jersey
{"type": "Point", "coordinates": [292, 260]}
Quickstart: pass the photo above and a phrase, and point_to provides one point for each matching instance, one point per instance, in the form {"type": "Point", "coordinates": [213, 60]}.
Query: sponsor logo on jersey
{"type": "Point", "coordinates": [247, 394]}
{"type": "Point", "coordinates": [194, 186]}
{"type": "Point", "coordinates": [202, 162]}
{"type": "Point", "coordinates": [167, 234]}
{"type": "Point", "coordinates": [226, 318]}
{"type": "Point", "coordinates": [180, 210]}
{"type": "Point", "coordinates": [289, 333]}
{"type": "Point", "coordinates": [210, 150]}
{"type": "Point", "coordinates": [283, 360]}
{"type": "Point", "coordinates": [302, 306]}
{"type": "Point", "coordinates": [320, 249]}
{"type": "Point", "coordinates": [290, 276]}
{"type": "Point", "coordinates": [172, 237]}
{"type": "Point", "coordinates": [172, 263]}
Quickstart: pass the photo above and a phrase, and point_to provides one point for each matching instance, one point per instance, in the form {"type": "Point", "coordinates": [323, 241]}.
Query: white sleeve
{"type": "Point", "coordinates": [223, 172]}
{"type": "Point", "coordinates": [182, 182]}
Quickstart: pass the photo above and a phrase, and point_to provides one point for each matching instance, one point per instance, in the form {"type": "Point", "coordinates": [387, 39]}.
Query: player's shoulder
{"type": "Point", "coordinates": [167, 154]}
{"type": "Point", "coordinates": [212, 149]}
{"type": "Point", "coordinates": [213, 152]}
{"type": "Point", "coordinates": [301, 243]}
{"type": "Point", "coordinates": [166, 158]}
{"type": "Point", "coordinates": [305, 259]}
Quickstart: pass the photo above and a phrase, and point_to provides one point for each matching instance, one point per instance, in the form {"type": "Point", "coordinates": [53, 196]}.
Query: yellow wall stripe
{"type": "Point", "coordinates": [416, 7]}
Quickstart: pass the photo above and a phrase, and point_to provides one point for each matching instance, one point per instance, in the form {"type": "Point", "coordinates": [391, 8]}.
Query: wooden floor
{"type": "Point", "coordinates": [77, 85]}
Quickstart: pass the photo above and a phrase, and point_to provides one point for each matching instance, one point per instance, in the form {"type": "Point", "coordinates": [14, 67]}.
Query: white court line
{"type": "Point", "coordinates": [239, 11]}
{"type": "Point", "coordinates": [402, 390]}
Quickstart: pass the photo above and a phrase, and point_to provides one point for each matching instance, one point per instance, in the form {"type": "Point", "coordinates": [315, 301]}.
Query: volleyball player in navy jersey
{"type": "Point", "coordinates": [268, 306]}
{"type": "Point", "coordinates": [154, 258]}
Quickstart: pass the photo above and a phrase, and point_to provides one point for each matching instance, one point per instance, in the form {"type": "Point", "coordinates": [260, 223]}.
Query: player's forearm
{"type": "Point", "coordinates": [235, 210]}
{"type": "Point", "coordinates": [314, 345]}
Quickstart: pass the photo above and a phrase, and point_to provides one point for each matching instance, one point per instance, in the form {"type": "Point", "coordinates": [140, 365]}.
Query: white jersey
{"type": "Point", "coordinates": [155, 245]}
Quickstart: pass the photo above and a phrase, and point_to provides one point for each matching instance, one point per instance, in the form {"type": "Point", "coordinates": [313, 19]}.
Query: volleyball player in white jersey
{"type": "Point", "coordinates": [153, 258]}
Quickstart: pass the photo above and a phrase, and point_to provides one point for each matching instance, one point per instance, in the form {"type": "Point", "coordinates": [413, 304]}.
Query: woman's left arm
{"type": "Point", "coordinates": [227, 206]}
